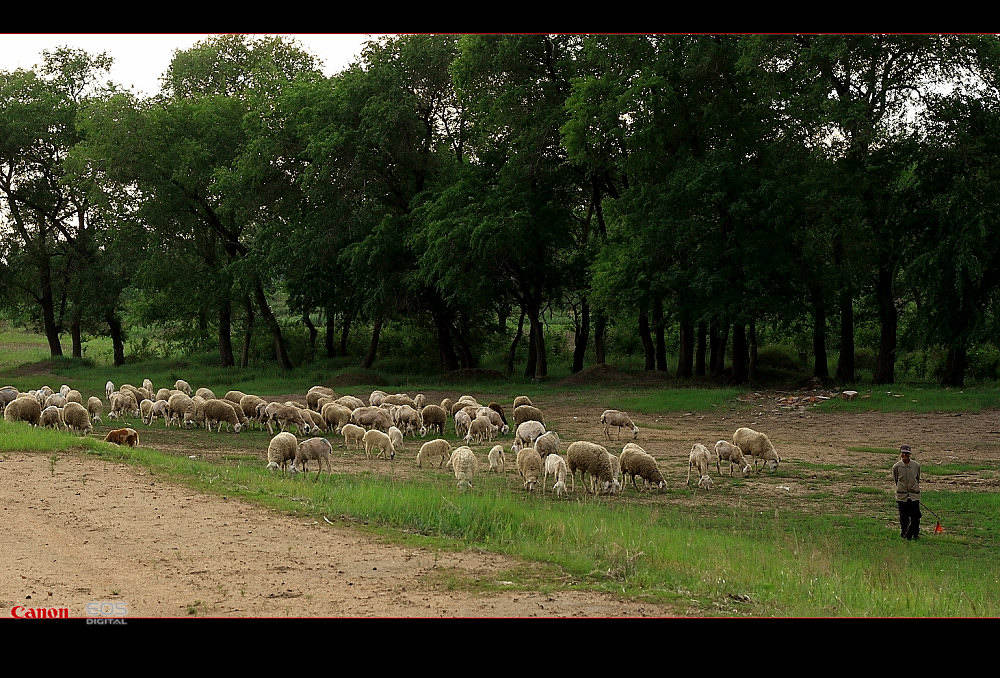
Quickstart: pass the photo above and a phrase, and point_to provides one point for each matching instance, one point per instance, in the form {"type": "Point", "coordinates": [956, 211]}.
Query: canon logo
{"type": "Point", "coordinates": [22, 612]}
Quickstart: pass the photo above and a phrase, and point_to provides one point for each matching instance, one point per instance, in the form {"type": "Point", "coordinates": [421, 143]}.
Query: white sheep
{"type": "Point", "coordinates": [51, 417]}
{"type": "Point", "coordinates": [462, 423]}
{"type": "Point", "coordinates": [726, 451]}
{"type": "Point", "coordinates": [109, 388]}
{"type": "Point", "coordinates": [396, 436]}
{"type": "Point", "coordinates": [439, 447]}
{"type": "Point", "coordinates": [529, 464]}
{"type": "Point", "coordinates": [757, 445]}
{"type": "Point", "coordinates": [221, 412]}
{"type": "Point", "coordinates": [352, 434]}
{"type": "Point", "coordinates": [313, 448]}
{"type": "Point", "coordinates": [183, 386]}
{"type": "Point", "coordinates": [616, 418]}
{"type": "Point", "coordinates": [95, 407]}
{"type": "Point", "coordinates": [547, 443]}
{"type": "Point", "coordinates": [77, 418]}
{"type": "Point", "coordinates": [463, 461]}
{"type": "Point", "coordinates": [281, 450]}
{"type": "Point", "coordinates": [593, 460]}
{"type": "Point", "coordinates": [148, 385]}
{"type": "Point", "coordinates": [497, 459]}
{"type": "Point", "coordinates": [556, 465]}
{"type": "Point", "coordinates": [528, 432]}
{"type": "Point", "coordinates": [480, 429]}
{"type": "Point", "coordinates": [635, 461]}
{"type": "Point", "coordinates": [700, 458]}
{"type": "Point", "coordinates": [23, 408]}
{"type": "Point", "coordinates": [376, 440]}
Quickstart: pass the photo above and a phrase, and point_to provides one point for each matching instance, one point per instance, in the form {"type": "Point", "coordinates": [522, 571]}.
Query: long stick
{"type": "Point", "coordinates": [931, 510]}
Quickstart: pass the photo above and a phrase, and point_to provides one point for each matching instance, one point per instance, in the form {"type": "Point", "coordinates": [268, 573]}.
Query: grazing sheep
{"type": "Point", "coordinates": [352, 433]}
{"type": "Point", "coordinates": [284, 416]}
{"type": "Point", "coordinates": [123, 402]}
{"type": "Point", "coordinates": [480, 429]}
{"type": "Point", "coordinates": [408, 419]}
{"type": "Point", "coordinates": [525, 413]}
{"type": "Point", "coordinates": [522, 400]}
{"type": "Point", "coordinates": [162, 394]}
{"type": "Point", "coordinates": [313, 448]}
{"type": "Point", "coordinates": [177, 406]}
{"type": "Point", "coordinates": [459, 406]}
{"type": "Point", "coordinates": [399, 399]}
{"type": "Point", "coordinates": [496, 407]}
{"type": "Point", "coordinates": [463, 461]}
{"type": "Point", "coordinates": [24, 408]}
{"type": "Point", "coordinates": [439, 447]}
{"type": "Point", "coordinates": [419, 401]}
{"type": "Point", "coordinates": [396, 436]}
{"type": "Point", "coordinates": [51, 417]}
{"type": "Point", "coordinates": [77, 418]}
{"type": "Point", "coordinates": [591, 459]}
{"type": "Point", "coordinates": [74, 396]}
{"type": "Point", "coordinates": [462, 423]}
{"type": "Point", "coordinates": [616, 473]}
{"type": "Point", "coordinates": [726, 451]}
{"type": "Point", "coordinates": [615, 418]}
{"type": "Point", "coordinates": [757, 445]}
{"type": "Point", "coordinates": [547, 443]}
{"type": "Point", "coordinates": [148, 385]}
{"type": "Point", "coordinates": [315, 393]}
{"type": "Point", "coordinates": [336, 416]}
{"type": "Point", "coordinates": [205, 393]}
{"type": "Point", "coordinates": [109, 388]}
{"type": "Point", "coordinates": [529, 465]}
{"type": "Point", "coordinates": [701, 459]}
{"type": "Point", "coordinates": [556, 465]}
{"type": "Point", "coordinates": [635, 461]}
{"type": "Point", "coordinates": [95, 407]}
{"type": "Point", "coordinates": [281, 450]}
{"type": "Point", "coordinates": [8, 394]}
{"type": "Point", "coordinates": [376, 440]}
{"type": "Point", "coordinates": [497, 459]}
{"type": "Point", "coordinates": [123, 436]}
{"type": "Point", "coordinates": [434, 417]}
{"type": "Point", "coordinates": [55, 400]}
{"type": "Point", "coordinates": [160, 409]}
{"type": "Point", "coordinates": [248, 404]}
{"type": "Point", "coordinates": [371, 417]}
{"type": "Point", "coordinates": [146, 411]}
{"type": "Point", "coordinates": [446, 405]}
{"type": "Point", "coordinates": [317, 420]}
{"type": "Point", "coordinates": [376, 398]}
{"type": "Point", "coordinates": [221, 412]}
{"type": "Point", "coordinates": [63, 390]}
{"type": "Point", "coordinates": [350, 401]}
{"type": "Point", "coordinates": [494, 418]}
{"type": "Point", "coordinates": [183, 386]}
{"type": "Point", "coordinates": [528, 433]}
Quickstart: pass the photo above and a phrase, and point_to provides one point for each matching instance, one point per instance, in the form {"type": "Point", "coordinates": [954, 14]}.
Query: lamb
{"type": "Point", "coordinates": [497, 459]}
{"type": "Point", "coordinates": [109, 388]}
{"type": "Point", "coordinates": [616, 472]}
{"type": "Point", "coordinates": [525, 413]}
{"type": "Point", "coordinates": [528, 433]}
{"type": "Point", "coordinates": [148, 385]}
{"type": "Point", "coordinates": [23, 408]}
{"type": "Point", "coordinates": [205, 393]}
{"type": "Point", "coordinates": [177, 407]}
{"type": "Point", "coordinates": [74, 396]}
{"type": "Point", "coordinates": [522, 400]}
{"type": "Point", "coordinates": [439, 447]}
{"type": "Point", "coordinates": [77, 418]}
{"type": "Point", "coordinates": [494, 418]}
{"type": "Point", "coordinates": [123, 436]}
{"type": "Point", "coordinates": [635, 461]}
{"type": "Point", "coordinates": [51, 417]}
{"type": "Point", "coordinates": [352, 433]}
{"type": "Point", "coordinates": [725, 450]}
{"type": "Point", "coordinates": [700, 458]}
{"type": "Point", "coordinates": [146, 410]}
{"type": "Point", "coordinates": [463, 461]}
{"type": "Point", "coordinates": [590, 458]}
{"type": "Point", "coordinates": [281, 450]}
{"type": "Point", "coordinates": [757, 445]}
{"type": "Point", "coordinates": [529, 465]}
{"type": "Point", "coordinates": [462, 423]}
{"type": "Point", "coordinates": [221, 412]}
{"type": "Point", "coordinates": [615, 418]}
{"type": "Point", "coordinates": [95, 407]}
{"type": "Point", "coordinates": [336, 415]}
{"type": "Point", "coordinates": [371, 417]}
{"type": "Point", "coordinates": [313, 448]}
{"type": "Point", "coordinates": [480, 429]}
{"type": "Point", "coordinates": [396, 436]}
{"type": "Point", "coordinates": [183, 386]}
{"type": "Point", "coordinates": [556, 465]}
{"type": "Point", "coordinates": [434, 417]}
{"type": "Point", "coordinates": [376, 440]}
{"type": "Point", "coordinates": [160, 409]}
{"type": "Point", "coordinates": [63, 390]}
{"type": "Point", "coordinates": [547, 443]}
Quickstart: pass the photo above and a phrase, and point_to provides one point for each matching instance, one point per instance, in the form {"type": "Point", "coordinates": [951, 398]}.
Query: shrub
{"type": "Point", "coordinates": [864, 359]}
{"type": "Point", "coordinates": [984, 362]}
{"type": "Point", "coordinates": [778, 357]}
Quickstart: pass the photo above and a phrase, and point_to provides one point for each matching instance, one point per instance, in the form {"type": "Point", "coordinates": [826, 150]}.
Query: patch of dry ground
{"type": "Point", "coordinates": [90, 530]}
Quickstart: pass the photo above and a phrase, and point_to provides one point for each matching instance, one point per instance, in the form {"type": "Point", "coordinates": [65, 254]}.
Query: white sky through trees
{"type": "Point", "coordinates": [140, 59]}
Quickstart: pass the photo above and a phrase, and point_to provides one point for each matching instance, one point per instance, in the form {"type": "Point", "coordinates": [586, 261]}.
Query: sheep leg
{"type": "Point", "coordinates": [688, 483]}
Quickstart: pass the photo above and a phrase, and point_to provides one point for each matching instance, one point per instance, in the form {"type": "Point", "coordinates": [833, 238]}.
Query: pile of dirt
{"type": "Point", "coordinates": [358, 377]}
{"type": "Point", "coordinates": [472, 374]}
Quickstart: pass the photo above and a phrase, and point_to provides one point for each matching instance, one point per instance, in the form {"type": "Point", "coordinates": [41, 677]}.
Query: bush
{"type": "Point", "coordinates": [865, 359]}
{"type": "Point", "coordinates": [778, 357]}
{"type": "Point", "coordinates": [984, 362]}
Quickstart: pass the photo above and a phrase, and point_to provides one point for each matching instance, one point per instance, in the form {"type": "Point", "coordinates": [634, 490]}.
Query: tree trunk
{"type": "Point", "coordinates": [741, 370]}
{"type": "Point", "coordinates": [247, 334]}
{"type": "Point", "coordinates": [580, 337]}
{"type": "Point", "coordinates": [699, 357]}
{"type": "Point", "coordinates": [513, 345]}
{"type": "Point", "coordinates": [329, 343]}
{"type": "Point", "coordinates": [49, 318]}
{"type": "Point", "coordinates": [845, 363]}
{"type": "Point", "coordinates": [685, 354]}
{"type": "Point", "coordinates": [465, 356]}
{"type": "Point", "coordinates": [659, 329]}
{"type": "Point", "coordinates": [226, 333]}
{"type": "Point", "coordinates": [718, 333]}
{"type": "Point", "coordinates": [885, 366]}
{"type": "Point", "coordinates": [345, 330]}
{"type": "Point", "coordinates": [600, 335]}
{"type": "Point", "coordinates": [645, 338]}
{"type": "Point", "coordinates": [313, 334]}
{"type": "Point", "coordinates": [820, 363]}
{"type": "Point", "coordinates": [538, 339]}
{"type": "Point", "coordinates": [280, 347]}
{"type": "Point", "coordinates": [373, 345]}
{"type": "Point", "coordinates": [117, 339]}
{"type": "Point", "coordinates": [752, 373]}
{"type": "Point", "coordinates": [445, 348]}
{"type": "Point", "coordinates": [75, 332]}
{"type": "Point", "coordinates": [955, 364]}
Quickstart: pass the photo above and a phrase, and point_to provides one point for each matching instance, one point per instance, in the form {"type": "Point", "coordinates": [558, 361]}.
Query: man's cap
{"type": "Point", "coordinates": [905, 449]}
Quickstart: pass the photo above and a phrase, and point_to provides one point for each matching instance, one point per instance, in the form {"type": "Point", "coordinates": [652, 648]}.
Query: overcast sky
{"type": "Point", "coordinates": [141, 59]}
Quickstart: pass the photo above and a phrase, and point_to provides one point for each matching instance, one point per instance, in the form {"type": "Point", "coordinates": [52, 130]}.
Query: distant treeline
{"type": "Point", "coordinates": [712, 187]}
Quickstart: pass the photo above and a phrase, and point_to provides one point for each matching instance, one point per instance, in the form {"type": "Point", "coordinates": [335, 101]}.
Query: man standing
{"type": "Point", "coordinates": [906, 473]}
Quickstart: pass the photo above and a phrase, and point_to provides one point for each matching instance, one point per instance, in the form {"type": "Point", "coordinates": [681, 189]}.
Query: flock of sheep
{"type": "Point", "coordinates": [380, 425]}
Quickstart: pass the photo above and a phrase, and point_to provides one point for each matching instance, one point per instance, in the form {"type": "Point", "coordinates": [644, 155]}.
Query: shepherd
{"type": "Point", "coordinates": [906, 474]}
